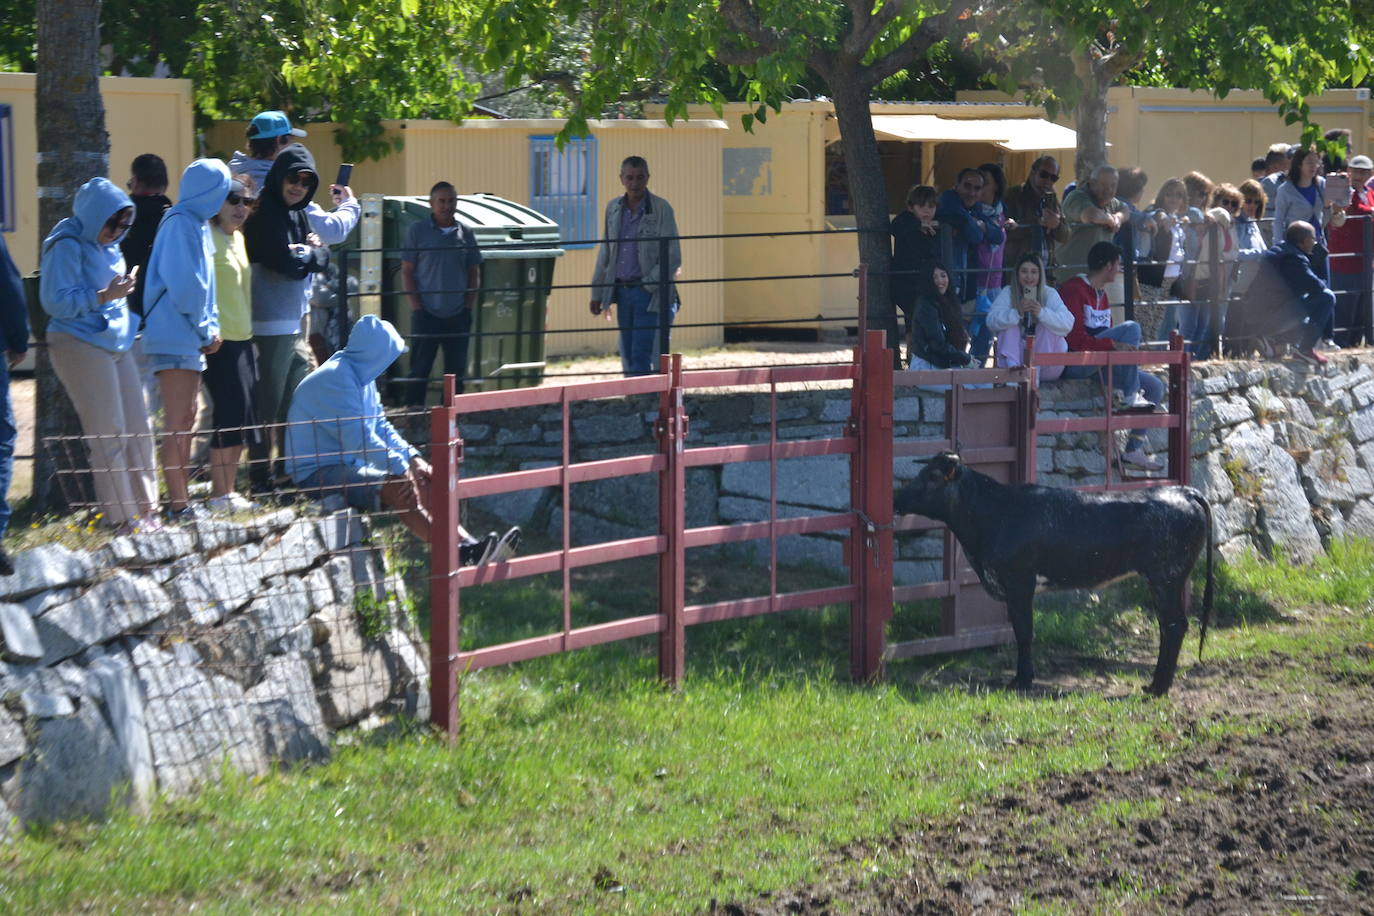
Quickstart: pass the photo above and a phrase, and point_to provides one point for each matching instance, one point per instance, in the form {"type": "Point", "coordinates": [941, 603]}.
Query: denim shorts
{"type": "Point", "coordinates": [361, 488]}
{"type": "Point", "coordinates": [157, 362]}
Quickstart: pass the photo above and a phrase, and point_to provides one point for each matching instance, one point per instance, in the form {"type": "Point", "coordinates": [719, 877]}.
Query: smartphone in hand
{"type": "Point", "coordinates": [345, 175]}
{"type": "Point", "coordinates": [1338, 189]}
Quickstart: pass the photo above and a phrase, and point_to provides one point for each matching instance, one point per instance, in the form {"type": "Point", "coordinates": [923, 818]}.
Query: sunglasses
{"type": "Point", "coordinates": [235, 199]}
{"type": "Point", "coordinates": [1049, 176]}
{"type": "Point", "coordinates": [119, 226]}
{"type": "Point", "coordinates": [304, 179]}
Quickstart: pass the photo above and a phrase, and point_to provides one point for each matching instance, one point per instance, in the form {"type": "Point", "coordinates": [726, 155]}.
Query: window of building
{"type": "Point", "coordinates": [563, 187]}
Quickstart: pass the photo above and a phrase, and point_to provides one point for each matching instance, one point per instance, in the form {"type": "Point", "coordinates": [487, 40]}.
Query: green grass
{"type": "Point", "coordinates": [579, 785]}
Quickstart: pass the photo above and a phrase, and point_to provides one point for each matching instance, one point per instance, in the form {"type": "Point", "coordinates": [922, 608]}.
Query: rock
{"type": "Point", "coordinates": [197, 722]}
{"type": "Point", "coordinates": [212, 534]}
{"type": "Point", "coordinates": [318, 589]}
{"type": "Point", "coordinates": [298, 549]}
{"type": "Point", "coordinates": [1333, 476]}
{"type": "Point", "coordinates": [340, 530]}
{"type": "Point", "coordinates": [47, 567]}
{"type": "Point", "coordinates": [44, 601]}
{"type": "Point", "coordinates": [347, 694]}
{"type": "Point", "coordinates": [1209, 477]}
{"type": "Point", "coordinates": [13, 745]}
{"type": "Point", "coordinates": [124, 711]}
{"type": "Point", "coordinates": [150, 548]}
{"type": "Point", "coordinates": [339, 569]}
{"type": "Point", "coordinates": [408, 664]}
{"type": "Point", "coordinates": [234, 650]}
{"type": "Point", "coordinates": [1285, 517]}
{"type": "Point", "coordinates": [123, 603]}
{"type": "Point", "coordinates": [286, 714]}
{"type": "Point", "coordinates": [40, 705]}
{"type": "Point", "coordinates": [21, 637]}
{"type": "Point", "coordinates": [1359, 521]}
{"type": "Point", "coordinates": [1362, 424]}
{"type": "Point", "coordinates": [282, 609]}
{"type": "Point", "coordinates": [1075, 461]}
{"type": "Point", "coordinates": [1214, 412]}
{"type": "Point", "coordinates": [73, 771]}
{"type": "Point", "coordinates": [206, 592]}
{"type": "Point", "coordinates": [821, 481]}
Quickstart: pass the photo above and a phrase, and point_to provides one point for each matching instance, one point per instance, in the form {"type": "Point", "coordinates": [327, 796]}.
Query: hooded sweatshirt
{"type": "Point", "coordinates": [75, 268]}
{"type": "Point", "coordinates": [336, 415]}
{"type": "Point", "coordinates": [331, 226]}
{"type": "Point", "coordinates": [281, 272]}
{"type": "Point", "coordinates": [179, 312]}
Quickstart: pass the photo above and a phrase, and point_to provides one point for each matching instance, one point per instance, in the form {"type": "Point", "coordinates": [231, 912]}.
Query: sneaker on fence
{"type": "Point", "coordinates": [191, 512]}
{"type": "Point", "coordinates": [1310, 357]}
{"type": "Point", "coordinates": [230, 503]}
{"type": "Point", "coordinates": [474, 551]}
{"type": "Point", "coordinates": [1137, 458]}
{"type": "Point", "coordinates": [506, 547]}
{"type": "Point", "coordinates": [1136, 402]}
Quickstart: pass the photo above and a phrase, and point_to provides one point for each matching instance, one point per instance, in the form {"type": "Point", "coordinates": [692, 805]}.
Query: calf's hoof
{"type": "Point", "coordinates": [1155, 690]}
{"type": "Point", "coordinates": [1020, 683]}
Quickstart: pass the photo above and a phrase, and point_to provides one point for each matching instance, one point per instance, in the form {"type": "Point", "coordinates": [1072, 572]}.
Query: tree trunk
{"type": "Point", "coordinates": [868, 192]}
{"type": "Point", "coordinates": [73, 147]}
{"type": "Point", "coordinates": [1090, 116]}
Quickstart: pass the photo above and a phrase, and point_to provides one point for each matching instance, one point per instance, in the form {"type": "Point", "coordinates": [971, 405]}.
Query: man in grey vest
{"type": "Point", "coordinates": [628, 269]}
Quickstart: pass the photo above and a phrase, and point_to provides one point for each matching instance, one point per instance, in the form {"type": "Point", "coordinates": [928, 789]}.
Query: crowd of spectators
{"type": "Point", "coordinates": [152, 301]}
{"type": "Point", "coordinates": [1277, 265]}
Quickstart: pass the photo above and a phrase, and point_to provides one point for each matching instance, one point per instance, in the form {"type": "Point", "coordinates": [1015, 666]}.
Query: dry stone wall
{"type": "Point", "coordinates": [148, 665]}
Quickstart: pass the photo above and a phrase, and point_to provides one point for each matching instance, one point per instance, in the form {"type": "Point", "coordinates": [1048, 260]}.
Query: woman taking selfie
{"type": "Point", "coordinates": [90, 336]}
{"type": "Point", "coordinates": [1028, 307]}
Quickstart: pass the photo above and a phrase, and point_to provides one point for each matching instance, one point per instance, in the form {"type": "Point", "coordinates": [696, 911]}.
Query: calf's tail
{"type": "Point", "coordinates": [1208, 591]}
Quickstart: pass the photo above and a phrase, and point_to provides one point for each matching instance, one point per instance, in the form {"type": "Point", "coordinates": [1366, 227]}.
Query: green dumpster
{"type": "Point", "coordinates": [519, 247]}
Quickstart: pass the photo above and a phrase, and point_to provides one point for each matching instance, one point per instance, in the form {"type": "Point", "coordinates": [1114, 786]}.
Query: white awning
{"type": "Point", "coordinates": [1012, 134]}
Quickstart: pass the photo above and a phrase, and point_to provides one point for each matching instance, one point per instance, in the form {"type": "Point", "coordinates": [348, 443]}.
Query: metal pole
{"type": "Point", "coordinates": [665, 304]}
{"type": "Point", "coordinates": [445, 453]}
{"type": "Point", "coordinates": [1179, 436]}
{"type": "Point", "coordinates": [1218, 297]}
{"type": "Point", "coordinates": [872, 562]}
{"type": "Point", "coordinates": [1128, 271]}
{"type": "Point", "coordinates": [672, 522]}
{"type": "Point", "coordinates": [1366, 279]}
{"type": "Point", "coordinates": [341, 302]}
{"type": "Point", "coordinates": [862, 274]}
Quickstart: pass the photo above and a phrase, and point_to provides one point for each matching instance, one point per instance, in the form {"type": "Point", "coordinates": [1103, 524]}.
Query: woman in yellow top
{"type": "Point", "coordinates": [232, 372]}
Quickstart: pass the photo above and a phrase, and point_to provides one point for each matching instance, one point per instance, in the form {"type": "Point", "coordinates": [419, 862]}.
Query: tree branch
{"type": "Point", "coordinates": [867, 26]}
{"type": "Point", "coordinates": [932, 29]}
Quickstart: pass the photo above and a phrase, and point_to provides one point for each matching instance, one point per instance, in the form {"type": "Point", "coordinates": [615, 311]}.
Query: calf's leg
{"type": "Point", "coordinates": [1171, 607]}
{"type": "Point", "coordinates": [1020, 608]}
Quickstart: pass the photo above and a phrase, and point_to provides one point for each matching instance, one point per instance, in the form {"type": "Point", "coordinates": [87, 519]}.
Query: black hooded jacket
{"type": "Point", "coordinates": [271, 231]}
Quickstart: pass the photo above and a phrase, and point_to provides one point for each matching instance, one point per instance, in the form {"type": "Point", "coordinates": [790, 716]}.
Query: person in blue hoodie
{"type": "Point", "coordinates": [180, 320]}
{"type": "Point", "coordinates": [284, 252]}
{"type": "Point", "coordinates": [14, 340]}
{"type": "Point", "coordinates": [90, 335]}
{"type": "Point", "coordinates": [339, 441]}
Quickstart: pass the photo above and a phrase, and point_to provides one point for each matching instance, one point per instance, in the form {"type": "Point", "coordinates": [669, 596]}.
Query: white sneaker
{"type": "Point", "coordinates": [1138, 459]}
{"type": "Point", "coordinates": [1136, 401]}
{"type": "Point", "coordinates": [1328, 345]}
{"type": "Point", "coordinates": [506, 547]}
{"type": "Point", "coordinates": [230, 503]}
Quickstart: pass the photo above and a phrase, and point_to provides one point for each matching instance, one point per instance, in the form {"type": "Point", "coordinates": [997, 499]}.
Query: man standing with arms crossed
{"type": "Point", "coordinates": [628, 268]}
{"type": "Point", "coordinates": [441, 274]}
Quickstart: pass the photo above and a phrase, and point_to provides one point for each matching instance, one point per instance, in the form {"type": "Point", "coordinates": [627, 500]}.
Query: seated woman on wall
{"type": "Point", "coordinates": [1029, 307]}
{"type": "Point", "coordinates": [90, 337]}
{"type": "Point", "coordinates": [340, 443]}
{"type": "Point", "coordinates": [938, 338]}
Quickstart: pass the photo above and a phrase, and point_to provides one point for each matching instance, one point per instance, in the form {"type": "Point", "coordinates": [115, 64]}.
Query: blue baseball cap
{"type": "Point", "coordinates": [270, 124]}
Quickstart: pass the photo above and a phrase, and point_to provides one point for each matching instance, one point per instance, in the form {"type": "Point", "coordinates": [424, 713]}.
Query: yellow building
{"type": "Point", "coordinates": [788, 175]}
{"type": "Point", "coordinates": [1169, 132]}
{"type": "Point", "coordinates": [518, 160]}
{"type": "Point", "coordinates": [141, 115]}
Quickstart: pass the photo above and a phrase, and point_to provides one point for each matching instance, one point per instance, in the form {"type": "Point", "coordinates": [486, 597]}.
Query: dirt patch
{"type": "Point", "coordinates": [1278, 821]}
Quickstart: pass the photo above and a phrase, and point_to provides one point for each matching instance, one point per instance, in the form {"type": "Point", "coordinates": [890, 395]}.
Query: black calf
{"type": "Point", "coordinates": [1020, 538]}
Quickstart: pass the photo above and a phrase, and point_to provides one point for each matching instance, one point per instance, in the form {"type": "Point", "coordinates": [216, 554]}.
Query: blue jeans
{"type": "Point", "coordinates": [433, 332]}
{"type": "Point", "coordinates": [639, 344]}
{"type": "Point", "coordinates": [1128, 379]}
{"type": "Point", "coordinates": [1319, 308]}
{"type": "Point", "coordinates": [8, 434]}
{"type": "Point", "coordinates": [361, 487]}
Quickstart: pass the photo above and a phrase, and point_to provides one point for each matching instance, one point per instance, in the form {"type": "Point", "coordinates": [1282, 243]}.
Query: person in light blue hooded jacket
{"type": "Point", "coordinates": [90, 332]}
{"type": "Point", "coordinates": [339, 441]}
{"type": "Point", "coordinates": [181, 322]}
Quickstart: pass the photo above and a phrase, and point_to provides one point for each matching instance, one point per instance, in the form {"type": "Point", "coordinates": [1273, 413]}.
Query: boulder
{"type": "Point", "coordinates": [123, 603]}
{"type": "Point", "coordinates": [74, 769]}
{"type": "Point", "coordinates": [43, 568]}
{"type": "Point", "coordinates": [20, 635]}
{"type": "Point", "coordinates": [286, 714]}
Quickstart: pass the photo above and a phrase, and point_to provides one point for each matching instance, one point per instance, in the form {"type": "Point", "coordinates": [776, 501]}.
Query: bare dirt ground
{"type": "Point", "coordinates": [1279, 820]}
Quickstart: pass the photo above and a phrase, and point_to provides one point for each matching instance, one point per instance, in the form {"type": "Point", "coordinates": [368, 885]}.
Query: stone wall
{"type": "Point", "coordinates": [151, 663]}
{"type": "Point", "coordinates": [1284, 453]}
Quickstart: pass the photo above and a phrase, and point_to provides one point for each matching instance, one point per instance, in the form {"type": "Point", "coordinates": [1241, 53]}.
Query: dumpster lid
{"type": "Point", "coordinates": [495, 220]}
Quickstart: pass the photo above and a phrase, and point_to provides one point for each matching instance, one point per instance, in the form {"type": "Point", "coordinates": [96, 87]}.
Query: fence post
{"type": "Point", "coordinates": [862, 274]}
{"type": "Point", "coordinates": [445, 450]}
{"type": "Point", "coordinates": [672, 520]}
{"type": "Point", "coordinates": [872, 562]}
{"type": "Point", "coordinates": [1180, 436]}
{"type": "Point", "coordinates": [665, 303]}
{"type": "Point", "coordinates": [341, 302]}
{"type": "Point", "coordinates": [1218, 297]}
{"type": "Point", "coordinates": [1128, 271]}
{"type": "Point", "coordinates": [1367, 279]}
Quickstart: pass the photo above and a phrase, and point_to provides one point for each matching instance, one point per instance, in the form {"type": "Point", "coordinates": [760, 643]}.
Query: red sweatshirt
{"type": "Point", "coordinates": [1090, 310]}
{"type": "Point", "coordinates": [1349, 237]}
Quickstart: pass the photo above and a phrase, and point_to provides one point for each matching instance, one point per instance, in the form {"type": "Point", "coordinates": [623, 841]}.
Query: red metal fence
{"type": "Point", "coordinates": [990, 418]}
